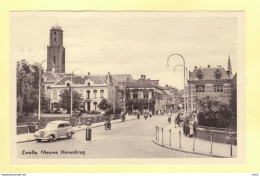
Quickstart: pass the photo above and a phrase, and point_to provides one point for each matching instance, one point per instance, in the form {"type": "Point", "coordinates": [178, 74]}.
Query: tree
{"type": "Point", "coordinates": [104, 105]}
{"type": "Point", "coordinates": [215, 111]}
{"type": "Point", "coordinates": [65, 101]}
{"type": "Point", "coordinates": [27, 85]}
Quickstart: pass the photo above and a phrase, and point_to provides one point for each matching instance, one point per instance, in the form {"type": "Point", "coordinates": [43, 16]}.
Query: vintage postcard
{"type": "Point", "coordinates": [127, 87]}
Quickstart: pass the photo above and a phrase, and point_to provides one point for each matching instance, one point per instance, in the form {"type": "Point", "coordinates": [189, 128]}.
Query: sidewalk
{"type": "Point", "coordinates": [29, 136]}
{"type": "Point", "coordinates": [202, 147]}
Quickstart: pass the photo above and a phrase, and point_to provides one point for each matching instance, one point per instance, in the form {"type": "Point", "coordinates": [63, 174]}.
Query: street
{"type": "Point", "coordinates": [130, 139]}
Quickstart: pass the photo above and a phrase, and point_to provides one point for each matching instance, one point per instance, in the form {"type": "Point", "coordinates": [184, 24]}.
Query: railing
{"type": "Point", "coordinates": [160, 139]}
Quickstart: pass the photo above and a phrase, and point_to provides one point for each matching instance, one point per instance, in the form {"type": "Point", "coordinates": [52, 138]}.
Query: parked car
{"type": "Point", "coordinates": [55, 130]}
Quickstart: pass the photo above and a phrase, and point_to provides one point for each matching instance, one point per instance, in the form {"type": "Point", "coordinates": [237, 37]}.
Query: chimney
{"type": "Point", "coordinates": [195, 67]}
{"type": "Point", "coordinates": [88, 73]}
{"type": "Point", "coordinates": [208, 66]}
{"type": "Point", "coordinates": [143, 76]}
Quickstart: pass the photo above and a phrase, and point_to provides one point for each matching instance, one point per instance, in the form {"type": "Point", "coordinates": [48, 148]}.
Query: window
{"type": "Point", "coordinates": [68, 84]}
{"type": "Point", "coordinates": [88, 94]}
{"type": "Point", "coordinates": [54, 60]}
{"type": "Point", "coordinates": [54, 33]}
{"type": "Point", "coordinates": [95, 105]}
{"type": "Point", "coordinates": [218, 76]}
{"type": "Point", "coordinates": [146, 94]}
{"type": "Point", "coordinates": [95, 94]}
{"type": "Point", "coordinates": [200, 88]}
{"type": "Point", "coordinates": [218, 88]}
{"type": "Point", "coordinates": [88, 106]}
{"type": "Point", "coordinates": [200, 76]}
{"type": "Point", "coordinates": [101, 93]}
{"type": "Point", "coordinates": [88, 83]}
{"type": "Point", "coordinates": [48, 90]}
{"type": "Point", "coordinates": [61, 126]}
{"type": "Point", "coordinates": [55, 39]}
{"type": "Point", "coordinates": [135, 94]}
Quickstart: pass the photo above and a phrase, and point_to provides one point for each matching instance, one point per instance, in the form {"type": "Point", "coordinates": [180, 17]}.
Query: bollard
{"type": "Point", "coordinates": [28, 131]}
{"type": "Point", "coordinates": [88, 134]}
{"type": "Point", "coordinates": [231, 141]}
{"type": "Point", "coordinates": [162, 136]}
{"type": "Point", "coordinates": [170, 131]}
{"type": "Point", "coordinates": [211, 142]}
{"type": "Point", "coordinates": [156, 132]}
{"type": "Point", "coordinates": [193, 141]}
{"type": "Point", "coordinates": [180, 138]}
{"type": "Point", "coordinates": [88, 130]}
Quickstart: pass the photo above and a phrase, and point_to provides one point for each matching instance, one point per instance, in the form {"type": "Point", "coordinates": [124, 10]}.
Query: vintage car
{"type": "Point", "coordinates": [54, 130]}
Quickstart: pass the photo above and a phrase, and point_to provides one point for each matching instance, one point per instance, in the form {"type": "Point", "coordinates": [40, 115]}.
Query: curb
{"type": "Point", "coordinates": [30, 140]}
{"type": "Point", "coordinates": [187, 151]}
{"type": "Point", "coordinates": [103, 125]}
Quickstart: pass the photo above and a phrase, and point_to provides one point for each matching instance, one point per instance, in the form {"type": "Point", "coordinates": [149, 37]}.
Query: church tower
{"type": "Point", "coordinates": [229, 68]}
{"type": "Point", "coordinates": [56, 51]}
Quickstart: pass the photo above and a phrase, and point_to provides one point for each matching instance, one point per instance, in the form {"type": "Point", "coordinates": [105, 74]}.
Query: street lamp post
{"type": "Point", "coordinates": [39, 101]}
{"type": "Point", "coordinates": [184, 81]}
{"type": "Point", "coordinates": [183, 74]}
{"type": "Point", "coordinates": [71, 89]}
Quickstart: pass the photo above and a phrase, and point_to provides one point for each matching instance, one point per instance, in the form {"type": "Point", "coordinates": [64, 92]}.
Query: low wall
{"type": "Point", "coordinates": [219, 135]}
{"type": "Point", "coordinates": [23, 128]}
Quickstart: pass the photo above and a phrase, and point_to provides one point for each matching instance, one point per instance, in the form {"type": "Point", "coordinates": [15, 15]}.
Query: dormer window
{"type": "Point", "coordinates": [200, 74]}
{"type": "Point", "coordinates": [217, 74]}
{"type": "Point", "coordinates": [88, 83]}
{"type": "Point", "coordinates": [68, 84]}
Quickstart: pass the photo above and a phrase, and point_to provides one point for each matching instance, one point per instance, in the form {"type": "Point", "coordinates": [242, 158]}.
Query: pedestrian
{"type": "Point", "coordinates": [138, 115]}
{"type": "Point", "coordinates": [150, 114]}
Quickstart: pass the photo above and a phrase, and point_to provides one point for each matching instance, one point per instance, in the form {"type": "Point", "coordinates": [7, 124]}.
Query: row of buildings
{"type": "Point", "coordinates": [121, 91]}
{"type": "Point", "coordinates": [126, 93]}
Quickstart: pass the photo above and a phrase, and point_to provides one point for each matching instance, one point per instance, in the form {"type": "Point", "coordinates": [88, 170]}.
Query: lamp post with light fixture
{"type": "Point", "coordinates": [187, 83]}
{"type": "Point", "coordinates": [71, 88]}
{"type": "Point", "coordinates": [39, 102]}
{"type": "Point", "coordinates": [184, 88]}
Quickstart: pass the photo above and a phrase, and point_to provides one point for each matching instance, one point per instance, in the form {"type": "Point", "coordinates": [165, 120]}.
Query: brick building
{"type": "Point", "coordinates": [210, 80]}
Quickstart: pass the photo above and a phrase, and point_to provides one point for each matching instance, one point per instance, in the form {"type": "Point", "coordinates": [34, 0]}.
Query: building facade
{"type": "Point", "coordinates": [208, 80]}
{"type": "Point", "coordinates": [143, 95]}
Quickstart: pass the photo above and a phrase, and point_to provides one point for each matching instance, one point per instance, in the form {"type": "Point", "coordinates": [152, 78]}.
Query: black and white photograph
{"type": "Point", "coordinates": [125, 85]}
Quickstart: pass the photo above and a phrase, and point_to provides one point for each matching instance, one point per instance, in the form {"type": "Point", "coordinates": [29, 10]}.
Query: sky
{"type": "Point", "coordinates": [128, 42]}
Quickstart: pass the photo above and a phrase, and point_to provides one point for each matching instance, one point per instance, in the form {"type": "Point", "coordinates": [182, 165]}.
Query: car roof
{"type": "Point", "coordinates": [59, 121]}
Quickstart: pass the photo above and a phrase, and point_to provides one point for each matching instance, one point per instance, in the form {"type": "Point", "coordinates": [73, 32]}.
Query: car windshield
{"type": "Point", "coordinates": [51, 126]}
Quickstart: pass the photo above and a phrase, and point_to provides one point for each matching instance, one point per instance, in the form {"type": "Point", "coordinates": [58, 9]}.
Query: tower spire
{"type": "Point", "coordinates": [229, 69]}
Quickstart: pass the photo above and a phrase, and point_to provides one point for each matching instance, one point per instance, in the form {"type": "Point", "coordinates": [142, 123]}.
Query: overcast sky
{"type": "Point", "coordinates": [128, 42]}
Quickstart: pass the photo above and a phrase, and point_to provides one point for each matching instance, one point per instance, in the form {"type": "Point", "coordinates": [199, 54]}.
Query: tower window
{"type": "Point", "coordinates": [54, 33]}
{"type": "Point", "coordinates": [54, 60]}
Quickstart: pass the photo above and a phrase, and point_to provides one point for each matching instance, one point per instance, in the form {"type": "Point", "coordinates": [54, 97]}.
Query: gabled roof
{"type": "Point", "coordinates": [209, 73]}
{"type": "Point", "coordinates": [164, 94]}
{"type": "Point", "coordinates": [51, 77]}
{"type": "Point", "coordinates": [122, 77]}
{"type": "Point", "coordinates": [142, 83]}
{"type": "Point", "coordinates": [97, 79]}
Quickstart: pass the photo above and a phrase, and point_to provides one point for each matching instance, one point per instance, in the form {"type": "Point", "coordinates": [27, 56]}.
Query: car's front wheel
{"type": "Point", "coordinates": [69, 135]}
{"type": "Point", "coordinates": [51, 138]}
